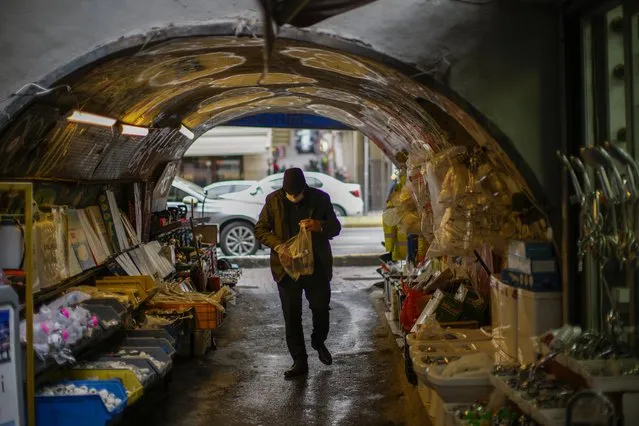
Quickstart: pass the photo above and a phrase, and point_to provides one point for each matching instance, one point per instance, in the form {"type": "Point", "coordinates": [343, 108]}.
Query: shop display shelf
{"type": "Point", "coordinates": [140, 362]}
{"type": "Point", "coordinates": [455, 335]}
{"type": "Point", "coordinates": [207, 317]}
{"type": "Point", "coordinates": [86, 410]}
{"type": "Point", "coordinates": [79, 351]}
{"type": "Point", "coordinates": [442, 349]}
{"type": "Point", "coordinates": [107, 316]}
{"type": "Point", "coordinates": [52, 292]}
{"type": "Point", "coordinates": [155, 333]}
{"type": "Point", "coordinates": [118, 307]}
{"type": "Point", "coordinates": [164, 344]}
{"type": "Point", "coordinates": [591, 371]}
{"type": "Point", "coordinates": [549, 417]}
{"type": "Point", "coordinates": [610, 382]}
{"type": "Point", "coordinates": [131, 383]}
{"type": "Point", "coordinates": [465, 388]}
{"type": "Point", "coordinates": [155, 352]}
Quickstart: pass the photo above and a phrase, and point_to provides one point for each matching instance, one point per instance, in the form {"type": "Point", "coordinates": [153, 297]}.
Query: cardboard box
{"type": "Point", "coordinates": [208, 232]}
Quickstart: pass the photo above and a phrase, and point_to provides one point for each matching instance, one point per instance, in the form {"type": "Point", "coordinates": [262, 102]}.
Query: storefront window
{"type": "Point", "coordinates": [207, 170]}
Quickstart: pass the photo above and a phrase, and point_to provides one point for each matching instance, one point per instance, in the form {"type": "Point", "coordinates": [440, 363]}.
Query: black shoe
{"type": "Point", "coordinates": [299, 368]}
{"type": "Point", "coordinates": [323, 354]}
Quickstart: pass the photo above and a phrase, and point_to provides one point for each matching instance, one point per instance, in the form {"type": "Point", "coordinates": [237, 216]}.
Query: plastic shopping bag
{"type": "Point", "coordinates": [412, 307]}
{"type": "Point", "coordinates": [299, 250]}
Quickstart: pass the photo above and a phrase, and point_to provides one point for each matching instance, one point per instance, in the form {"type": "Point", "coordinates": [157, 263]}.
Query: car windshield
{"type": "Point", "coordinates": [190, 187]}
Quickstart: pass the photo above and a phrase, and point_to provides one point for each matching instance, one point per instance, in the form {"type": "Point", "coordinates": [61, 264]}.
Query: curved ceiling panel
{"type": "Point", "coordinates": [206, 81]}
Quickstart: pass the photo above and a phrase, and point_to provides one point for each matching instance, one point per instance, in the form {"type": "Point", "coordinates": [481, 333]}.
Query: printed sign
{"type": "Point", "coordinates": [9, 398]}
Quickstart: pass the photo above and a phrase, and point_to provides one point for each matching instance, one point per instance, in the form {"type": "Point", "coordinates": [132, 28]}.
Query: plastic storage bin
{"type": "Point", "coordinates": [458, 335]}
{"type": "Point", "coordinates": [207, 317]}
{"type": "Point", "coordinates": [155, 333]}
{"type": "Point", "coordinates": [441, 349]}
{"type": "Point", "coordinates": [85, 410]}
{"type": "Point", "coordinates": [505, 335]}
{"type": "Point", "coordinates": [156, 353]}
{"type": "Point", "coordinates": [150, 342]}
{"type": "Point", "coordinates": [141, 363]}
{"type": "Point", "coordinates": [131, 383]}
{"type": "Point", "coordinates": [118, 307]}
{"type": "Point", "coordinates": [537, 313]}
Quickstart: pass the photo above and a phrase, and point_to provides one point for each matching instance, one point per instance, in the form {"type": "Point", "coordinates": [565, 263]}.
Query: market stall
{"type": "Point", "coordinates": [107, 299]}
{"type": "Point", "coordinates": [472, 284]}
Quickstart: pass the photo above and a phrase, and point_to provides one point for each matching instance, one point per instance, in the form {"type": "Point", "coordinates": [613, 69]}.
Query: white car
{"type": "Point", "coordinates": [228, 186]}
{"type": "Point", "coordinates": [346, 197]}
{"type": "Point", "coordinates": [236, 219]}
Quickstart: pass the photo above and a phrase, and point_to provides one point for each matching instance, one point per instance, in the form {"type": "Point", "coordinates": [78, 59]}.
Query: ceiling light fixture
{"type": "Point", "coordinates": [129, 130]}
{"type": "Point", "coordinates": [186, 132]}
{"type": "Point", "coordinates": [88, 118]}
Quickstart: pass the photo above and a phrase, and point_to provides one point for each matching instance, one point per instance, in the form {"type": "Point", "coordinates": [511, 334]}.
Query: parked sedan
{"type": "Point", "coordinates": [346, 197]}
{"type": "Point", "coordinates": [227, 187]}
{"type": "Point", "coordinates": [236, 219]}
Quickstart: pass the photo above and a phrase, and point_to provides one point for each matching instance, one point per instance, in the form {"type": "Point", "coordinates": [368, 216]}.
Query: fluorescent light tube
{"type": "Point", "coordinates": [88, 118]}
{"type": "Point", "coordinates": [186, 132]}
{"type": "Point", "coordinates": [129, 130]}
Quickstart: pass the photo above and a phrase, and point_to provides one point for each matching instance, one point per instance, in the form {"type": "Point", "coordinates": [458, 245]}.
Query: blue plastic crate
{"type": "Point", "coordinates": [85, 410]}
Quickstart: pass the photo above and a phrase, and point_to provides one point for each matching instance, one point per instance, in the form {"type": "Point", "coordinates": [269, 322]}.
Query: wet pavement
{"type": "Point", "coordinates": [241, 383]}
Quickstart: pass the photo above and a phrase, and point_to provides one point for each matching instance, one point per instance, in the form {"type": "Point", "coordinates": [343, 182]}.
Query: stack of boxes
{"type": "Point", "coordinates": [529, 298]}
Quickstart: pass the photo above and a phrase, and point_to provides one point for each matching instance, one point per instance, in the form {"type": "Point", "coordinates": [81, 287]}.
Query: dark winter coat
{"type": "Point", "coordinates": [273, 228]}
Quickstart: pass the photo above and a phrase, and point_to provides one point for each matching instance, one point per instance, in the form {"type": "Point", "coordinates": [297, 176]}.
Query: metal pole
{"type": "Point", "coordinates": [28, 220]}
{"type": "Point", "coordinates": [365, 192]}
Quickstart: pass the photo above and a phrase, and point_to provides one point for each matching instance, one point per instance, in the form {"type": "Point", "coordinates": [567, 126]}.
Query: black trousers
{"type": "Point", "coordinates": [318, 293]}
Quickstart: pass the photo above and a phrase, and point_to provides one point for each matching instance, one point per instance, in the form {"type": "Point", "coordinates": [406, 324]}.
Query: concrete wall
{"type": "Point", "coordinates": [502, 57]}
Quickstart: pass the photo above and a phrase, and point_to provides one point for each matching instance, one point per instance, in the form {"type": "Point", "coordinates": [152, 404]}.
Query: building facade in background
{"type": "Point", "coordinates": [228, 153]}
{"type": "Point", "coordinates": [252, 153]}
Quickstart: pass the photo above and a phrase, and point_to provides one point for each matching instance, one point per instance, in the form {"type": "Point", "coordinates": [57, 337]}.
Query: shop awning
{"type": "Point", "coordinates": [225, 140]}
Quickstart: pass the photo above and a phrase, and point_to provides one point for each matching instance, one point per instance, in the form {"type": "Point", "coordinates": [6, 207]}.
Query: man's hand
{"type": "Point", "coordinates": [311, 225]}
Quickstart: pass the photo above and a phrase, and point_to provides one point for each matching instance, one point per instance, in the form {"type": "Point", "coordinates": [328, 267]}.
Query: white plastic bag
{"type": "Point", "coordinates": [299, 251]}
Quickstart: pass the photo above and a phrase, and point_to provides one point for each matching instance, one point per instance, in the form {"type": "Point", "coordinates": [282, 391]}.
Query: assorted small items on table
{"type": "Point", "coordinates": [497, 353]}
{"type": "Point", "coordinates": [105, 337]}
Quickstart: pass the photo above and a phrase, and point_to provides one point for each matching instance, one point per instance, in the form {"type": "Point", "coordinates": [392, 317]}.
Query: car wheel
{"type": "Point", "coordinates": [339, 211]}
{"type": "Point", "coordinates": [238, 239]}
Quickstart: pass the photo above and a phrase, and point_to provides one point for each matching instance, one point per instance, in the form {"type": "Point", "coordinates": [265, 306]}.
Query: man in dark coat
{"type": "Point", "coordinates": [297, 206]}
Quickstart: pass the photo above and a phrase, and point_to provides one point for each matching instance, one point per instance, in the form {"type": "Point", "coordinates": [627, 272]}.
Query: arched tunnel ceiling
{"type": "Point", "coordinates": [206, 81]}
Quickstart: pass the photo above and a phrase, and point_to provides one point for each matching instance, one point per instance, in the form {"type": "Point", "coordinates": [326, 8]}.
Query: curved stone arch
{"type": "Point", "coordinates": [438, 94]}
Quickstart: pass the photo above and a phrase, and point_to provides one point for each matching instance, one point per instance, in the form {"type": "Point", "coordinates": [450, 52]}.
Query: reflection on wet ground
{"type": "Point", "coordinates": [241, 383]}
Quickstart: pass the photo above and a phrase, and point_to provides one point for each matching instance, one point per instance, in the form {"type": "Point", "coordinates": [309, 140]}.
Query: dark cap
{"type": "Point", "coordinates": [294, 181]}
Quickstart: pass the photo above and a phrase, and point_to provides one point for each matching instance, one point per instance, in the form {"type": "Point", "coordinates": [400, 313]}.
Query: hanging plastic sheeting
{"type": "Point", "coordinates": [395, 239]}
{"type": "Point", "coordinates": [471, 204]}
{"type": "Point", "coordinates": [416, 168]}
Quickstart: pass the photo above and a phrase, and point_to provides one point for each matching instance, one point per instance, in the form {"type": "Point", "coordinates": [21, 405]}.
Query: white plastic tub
{"type": "Point", "coordinates": [466, 388]}
{"type": "Point", "coordinates": [537, 313]}
{"type": "Point", "coordinates": [420, 350]}
{"type": "Point", "coordinates": [461, 335]}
